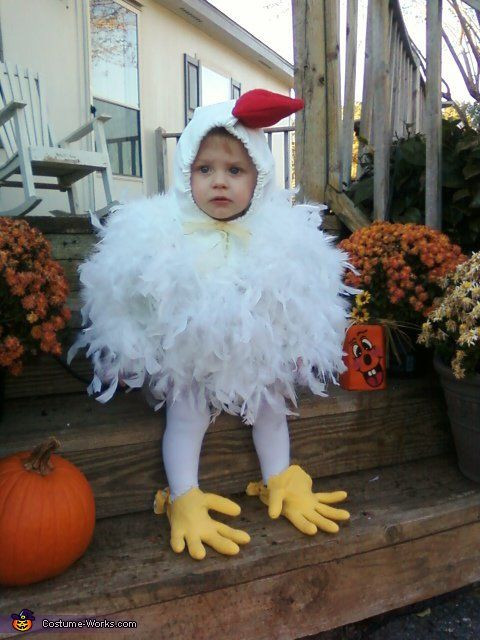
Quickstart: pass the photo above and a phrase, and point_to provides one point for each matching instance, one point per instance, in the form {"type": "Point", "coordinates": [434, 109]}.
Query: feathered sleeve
{"type": "Point", "coordinates": [114, 310]}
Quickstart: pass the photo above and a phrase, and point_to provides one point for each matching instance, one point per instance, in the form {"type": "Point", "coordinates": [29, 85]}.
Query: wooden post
{"type": "Point", "coordinates": [416, 100]}
{"type": "Point", "coordinates": [367, 91]}
{"type": "Point", "coordinates": [311, 153]}
{"type": "Point", "coordinates": [394, 76]}
{"type": "Point", "coordinates": [380, 109]}
{"type": "Point", "coordinates": [332, 52]}
{"type": "Point", "coordinates": [410, 93]}
{"type": "Point", "coordinates": [349, 92]}
{"type": "Point", "coordinates": [395, 43]}
{"type": "Point", "coordinates": [433, 124]}
{"type": "Point", "coordinates": [162, 162]}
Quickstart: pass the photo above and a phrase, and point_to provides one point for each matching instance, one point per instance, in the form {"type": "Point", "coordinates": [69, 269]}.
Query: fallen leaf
{"type": "Point", "coordinates": [425, 612]}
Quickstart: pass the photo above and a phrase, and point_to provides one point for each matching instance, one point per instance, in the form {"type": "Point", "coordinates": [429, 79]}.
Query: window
{"type": "Point", "coordinates": [215, 87]}
{"type": "Point", "coordinates": [204, 86]}
{"type": "Point", "coordinates": [114, 45]}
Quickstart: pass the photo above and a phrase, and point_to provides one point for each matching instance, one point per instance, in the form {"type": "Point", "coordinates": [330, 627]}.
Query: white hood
{"type": "Point", "coordinates": [205, 119]}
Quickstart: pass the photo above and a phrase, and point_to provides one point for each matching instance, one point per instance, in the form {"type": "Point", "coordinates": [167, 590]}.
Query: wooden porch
{"type": "Point", "coordinates": [415, 521]}
{"type": "Point", "coordinates": [413, 533]}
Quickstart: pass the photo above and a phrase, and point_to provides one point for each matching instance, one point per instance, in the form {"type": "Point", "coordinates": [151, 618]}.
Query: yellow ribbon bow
{"type": "Point", "coordinates": [225, 228]}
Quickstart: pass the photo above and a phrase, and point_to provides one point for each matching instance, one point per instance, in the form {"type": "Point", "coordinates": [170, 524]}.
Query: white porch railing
{"type": "Point", "coordinates": [163, 136]}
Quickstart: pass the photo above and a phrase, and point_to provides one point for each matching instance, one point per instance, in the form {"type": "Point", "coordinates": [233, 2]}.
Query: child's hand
{"type": "Point", "coordinates": [299, 362]}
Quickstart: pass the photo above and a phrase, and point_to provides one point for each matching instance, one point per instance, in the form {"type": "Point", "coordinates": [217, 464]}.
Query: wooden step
{"type": "Point", "coordinates": [118, 444]}
{"type": "Point", "coordinates": [413, 534]}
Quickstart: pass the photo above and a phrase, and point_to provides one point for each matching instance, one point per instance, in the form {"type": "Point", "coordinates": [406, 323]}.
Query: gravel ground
{"type": "Point", "coordinates": [453, 616]}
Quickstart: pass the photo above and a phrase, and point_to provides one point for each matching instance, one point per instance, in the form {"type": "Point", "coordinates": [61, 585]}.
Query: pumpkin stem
{"type": "Point", "coordinates": [39, 459]}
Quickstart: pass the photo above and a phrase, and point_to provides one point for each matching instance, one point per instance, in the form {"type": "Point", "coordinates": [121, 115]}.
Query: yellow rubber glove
{"type": "Point", "coordinates": [290, 493]}
{"type": "Point", "coordinates": [190, 521]}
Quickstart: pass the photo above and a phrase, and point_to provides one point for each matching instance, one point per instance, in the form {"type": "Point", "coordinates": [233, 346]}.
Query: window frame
{"type": "Point", "coordinates": [235, 85]}
{"type": "Point", "coordinates": [136, 9]}
{"type": "Point", "coordinates": [188, 61]}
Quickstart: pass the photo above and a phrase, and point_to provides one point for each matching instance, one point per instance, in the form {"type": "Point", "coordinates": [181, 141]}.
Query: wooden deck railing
{"type": "Point", "coordinates": [393, 99]}
{"type": "Point", "coordinates": [162, 136]}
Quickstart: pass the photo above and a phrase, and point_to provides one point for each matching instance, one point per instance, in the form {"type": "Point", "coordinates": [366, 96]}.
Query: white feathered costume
{"type": "Point", "coordinates": [172, 296]}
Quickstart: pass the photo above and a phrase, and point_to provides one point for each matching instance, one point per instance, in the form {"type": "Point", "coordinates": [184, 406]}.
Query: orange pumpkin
{"type": "Point", "coordinates": [47, 515]}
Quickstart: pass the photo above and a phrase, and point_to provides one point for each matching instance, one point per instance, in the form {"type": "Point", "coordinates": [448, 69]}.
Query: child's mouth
{"type": "Point", "coordinates": [221, 200]}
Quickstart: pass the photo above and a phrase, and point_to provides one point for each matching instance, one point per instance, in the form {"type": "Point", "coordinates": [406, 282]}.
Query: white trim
{"type": "Point", "coordinates": [115, 102]}
{"type": "Point", "coordinates": [136, 4]}
{"type": "Point", "coordinates": [83, 18]}
{"type": "Point", "coordinates": [121, 176]}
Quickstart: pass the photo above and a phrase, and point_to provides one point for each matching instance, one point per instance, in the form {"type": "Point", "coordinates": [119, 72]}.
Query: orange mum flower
{"type": "Point", "coordinates": [33, 288]}
{"type": "Point", "coordinates": [401, 265]}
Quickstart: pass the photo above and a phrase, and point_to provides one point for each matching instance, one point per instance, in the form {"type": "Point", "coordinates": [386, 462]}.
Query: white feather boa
{"type": "Point", "coordinates": [155, 317]}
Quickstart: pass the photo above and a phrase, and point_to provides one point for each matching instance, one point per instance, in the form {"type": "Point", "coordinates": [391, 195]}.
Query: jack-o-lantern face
{"type": "Point", "coordinates": [365, 359]}
{"type": "Point", "coordinates": [22, 621]}
{"type": "Point", "coordinates": [22, 625]}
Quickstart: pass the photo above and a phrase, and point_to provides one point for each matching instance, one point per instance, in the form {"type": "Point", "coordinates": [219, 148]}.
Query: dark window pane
{"type": "Point", "coordinates": [236, 90]}
{"type": "Point", "coordinates": [193, 86]}
{"type": "Point", "coordinates": [123, 137]}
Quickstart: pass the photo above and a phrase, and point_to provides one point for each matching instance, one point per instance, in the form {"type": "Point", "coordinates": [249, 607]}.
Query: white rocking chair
{"type": "Point", "coordinates": [27, 138]}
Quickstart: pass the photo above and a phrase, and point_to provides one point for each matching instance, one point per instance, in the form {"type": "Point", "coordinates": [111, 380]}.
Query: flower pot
{"type": "Point", "coordinates": [463, 402]}
{"type": "Point", "coordinates": [413, 359]}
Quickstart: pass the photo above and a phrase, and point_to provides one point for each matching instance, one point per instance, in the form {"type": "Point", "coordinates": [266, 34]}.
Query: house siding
{"type": "Point", "coordinates": [50, 36]}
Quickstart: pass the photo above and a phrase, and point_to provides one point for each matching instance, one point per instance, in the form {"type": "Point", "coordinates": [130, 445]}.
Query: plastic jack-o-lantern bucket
{"type": "Point", "coordinates": [365, 358]}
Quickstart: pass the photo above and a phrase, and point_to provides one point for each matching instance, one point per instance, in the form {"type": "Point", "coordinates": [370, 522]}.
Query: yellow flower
{"type": "Point", "coordinates": [458, 371]}
{"type": "Point", "coordinates": [360, 315]}
{"type": "Point", "coordinates": [469, 337]}
{"type": "Point", "coordinates": [362, 298]}
{"type": "Point", "coordinates": [441, 335]}
{"type": "Point", "coordinates": [451, 325]}
{"type": "Point", "coordinates": [475, 313]}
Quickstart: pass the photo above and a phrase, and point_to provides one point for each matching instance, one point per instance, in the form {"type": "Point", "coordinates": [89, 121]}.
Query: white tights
{"type": "Point", "coordinates": [183, 437]}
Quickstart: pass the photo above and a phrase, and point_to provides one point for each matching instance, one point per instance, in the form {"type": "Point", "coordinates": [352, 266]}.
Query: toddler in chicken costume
{"type": "Point", "coordinates": [220, 295]}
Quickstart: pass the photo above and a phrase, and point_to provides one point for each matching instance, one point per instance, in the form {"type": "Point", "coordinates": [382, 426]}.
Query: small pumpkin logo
{"type": "Point", "coordinates": [22, 621]}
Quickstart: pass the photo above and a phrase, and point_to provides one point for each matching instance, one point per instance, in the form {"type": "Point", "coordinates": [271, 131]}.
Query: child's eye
{"type": "Point", "coordinates": [235, 170]}
{"type": "Point", "coordinates": [204, 169]}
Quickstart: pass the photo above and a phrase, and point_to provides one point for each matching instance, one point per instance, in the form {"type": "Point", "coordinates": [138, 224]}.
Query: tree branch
{"type": "Point", "coordinates": [466, 30]}
{"type": "Point", "coordinates": [472, 90]}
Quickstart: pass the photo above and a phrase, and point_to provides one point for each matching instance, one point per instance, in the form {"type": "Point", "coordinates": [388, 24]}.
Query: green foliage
{"type": "Point", "coordinates": [460, 183]}
{"type": "Point", "coordinates": [472, 110]}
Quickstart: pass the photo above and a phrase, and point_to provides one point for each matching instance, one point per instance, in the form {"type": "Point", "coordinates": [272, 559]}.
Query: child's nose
{"type": "Point", "coordinates": [219, 178]}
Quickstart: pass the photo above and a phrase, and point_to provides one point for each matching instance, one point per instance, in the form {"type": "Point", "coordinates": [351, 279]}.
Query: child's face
{"type": "Point", "coordinates": [223, 177]}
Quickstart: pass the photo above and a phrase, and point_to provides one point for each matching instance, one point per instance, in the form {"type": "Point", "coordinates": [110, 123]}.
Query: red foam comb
{"type": "Point", "coordinates": [261, 108]}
